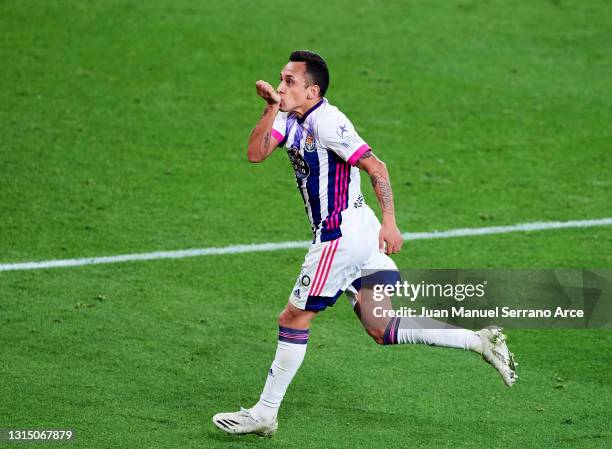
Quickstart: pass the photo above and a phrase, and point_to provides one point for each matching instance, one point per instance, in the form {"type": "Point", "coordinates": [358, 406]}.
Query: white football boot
{"type": "Point", "coordinates": [240, 423]}
{"type": "Point", "coordinates": [496, 353]}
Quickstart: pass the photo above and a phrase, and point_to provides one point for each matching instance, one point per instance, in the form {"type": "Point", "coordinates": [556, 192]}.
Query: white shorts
{"type": "Point", "coordinates": [331, 268]}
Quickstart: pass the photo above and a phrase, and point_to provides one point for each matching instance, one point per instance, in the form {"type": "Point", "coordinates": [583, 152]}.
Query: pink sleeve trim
{"type": "Point", "coordinates": [357, 154]}
{"type": "Point", "coordinates": [278, 136]}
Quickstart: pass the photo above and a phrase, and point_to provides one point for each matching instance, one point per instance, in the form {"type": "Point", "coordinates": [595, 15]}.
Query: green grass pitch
{"type": "Point", "coordinates": [123, 129]}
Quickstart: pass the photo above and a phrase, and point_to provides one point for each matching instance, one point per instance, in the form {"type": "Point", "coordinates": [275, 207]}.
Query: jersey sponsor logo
{"type": "Point", "coordinates": [300, 166]}
{"type": "Point", "coordinates": [342, 131]}
{"type": "Point", "coordinates": [310, 145]}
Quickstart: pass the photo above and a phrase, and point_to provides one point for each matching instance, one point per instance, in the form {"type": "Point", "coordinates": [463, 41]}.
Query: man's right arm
{"type": "Point", "coordinates": [261, 140]}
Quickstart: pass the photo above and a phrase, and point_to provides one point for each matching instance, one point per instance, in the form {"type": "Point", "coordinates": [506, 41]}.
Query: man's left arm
{"type": "Point", "coordinates": [377, 170]}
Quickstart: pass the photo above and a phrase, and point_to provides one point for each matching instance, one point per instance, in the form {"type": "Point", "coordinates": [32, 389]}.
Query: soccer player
{"type": "Point", "coordinates": [327, 155]}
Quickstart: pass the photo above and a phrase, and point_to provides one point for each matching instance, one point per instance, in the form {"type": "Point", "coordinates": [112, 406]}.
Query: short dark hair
{"type": "Point", "coordinates": [316, 69]}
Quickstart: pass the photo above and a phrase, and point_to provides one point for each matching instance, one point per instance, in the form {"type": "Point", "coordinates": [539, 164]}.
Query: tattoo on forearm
{"type": "Point", "coordinates": [381, 186]}
{"type": "Point", "coordinates": [365, 155]}
{"type": "Point", "coordinates": [266, 141]}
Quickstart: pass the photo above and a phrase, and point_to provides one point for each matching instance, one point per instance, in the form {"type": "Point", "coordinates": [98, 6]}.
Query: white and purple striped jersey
{"type": "Point", "coordinates": [323, 148]}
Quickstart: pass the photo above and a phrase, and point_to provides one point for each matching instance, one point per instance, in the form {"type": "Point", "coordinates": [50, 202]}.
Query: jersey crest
{"type": "Point", "coordinates": [310, 144]}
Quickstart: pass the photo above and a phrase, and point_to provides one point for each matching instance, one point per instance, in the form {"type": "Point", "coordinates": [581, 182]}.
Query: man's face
{"type": "Point", "coordinates": [292, 88]}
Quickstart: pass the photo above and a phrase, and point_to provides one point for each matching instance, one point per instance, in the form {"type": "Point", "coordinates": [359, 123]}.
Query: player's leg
{"type": "Point", "coordinates": [316, 288]}
{"type": "Point", "coordinates": [374, 316]}
{"type": "Point", "coordinates": [489, 342]}
{"type": "Point", "coordinates": [261, 419]}
{"type": "Point", "coordinates": [378, 268]}
{"type": "Point", "coordinates": [293, 330]}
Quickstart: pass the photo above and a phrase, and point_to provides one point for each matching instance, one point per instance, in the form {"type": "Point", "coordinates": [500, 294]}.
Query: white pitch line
{"type": "Point", "coordinates": [261, 247]}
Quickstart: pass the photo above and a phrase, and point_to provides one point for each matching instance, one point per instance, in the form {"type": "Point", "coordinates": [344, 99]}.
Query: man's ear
{"type": "Point", "coordinates": [313, 91]}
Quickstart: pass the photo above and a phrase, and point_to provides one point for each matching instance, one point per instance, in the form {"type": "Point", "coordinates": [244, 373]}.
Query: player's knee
{"type": "Point", "coordinates": [378, 335]}
{"type": "Point", "coordinates": [287, 318]}
{"type": "Point", "coordinates": [284, 319]}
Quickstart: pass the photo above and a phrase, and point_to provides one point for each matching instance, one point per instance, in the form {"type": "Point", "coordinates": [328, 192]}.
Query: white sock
{"type": "Point", "coordinates": [289, 356]}
{"type": "Point", "coordinates": [431, 332]}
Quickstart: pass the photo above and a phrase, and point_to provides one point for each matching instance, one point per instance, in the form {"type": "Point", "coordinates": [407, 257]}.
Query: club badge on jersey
{"type": "Point", "coordinates": [310, 144]}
